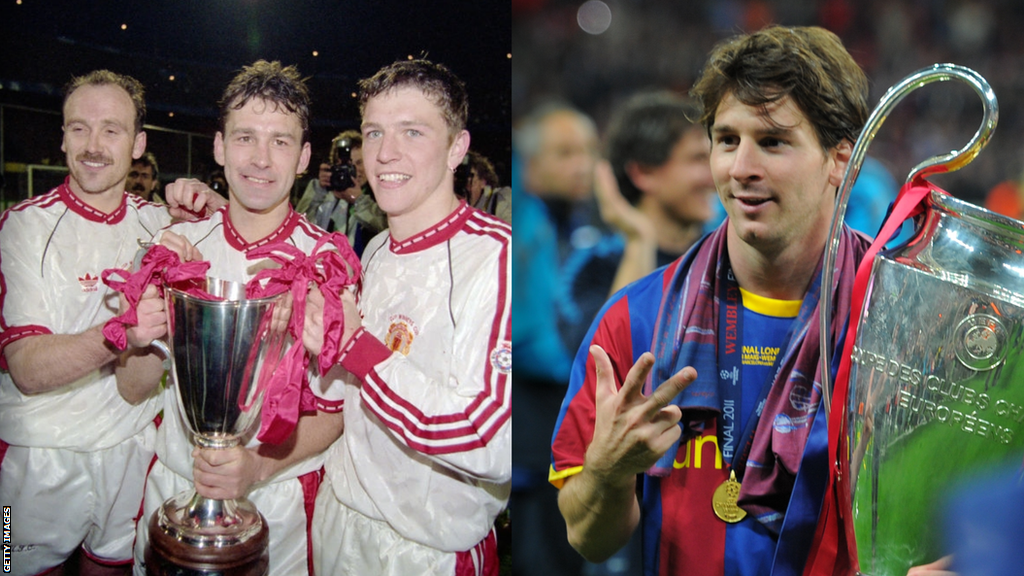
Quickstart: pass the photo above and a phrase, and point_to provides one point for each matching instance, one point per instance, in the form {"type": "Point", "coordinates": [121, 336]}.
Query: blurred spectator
{"type": "Point", "coordinates": [663, 43]}
{"type": "Point", "coordinates": [557, 148]}
{"type": "Point", "coordinates": [217, 182]}
{"type": "Point", "coordinates": [870, 198]}
{"type": "Point", "coordinates": [482, 190]}
{"type": "Point", "coordinates": [1007, 198]}
{"type": "Point", "coordinates": [143, 178]}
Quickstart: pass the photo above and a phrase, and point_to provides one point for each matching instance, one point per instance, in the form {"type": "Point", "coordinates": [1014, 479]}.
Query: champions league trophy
{"type": "Point", "coordinates": [936, 386]}
{"type": "Point", "coordinates": [222, 352]}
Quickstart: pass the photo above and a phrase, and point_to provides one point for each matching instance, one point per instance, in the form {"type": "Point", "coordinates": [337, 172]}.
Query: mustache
{"type": "Point", "coordinates": [88, 157]}
{"type": "Point", "coordinates": [138, 188]}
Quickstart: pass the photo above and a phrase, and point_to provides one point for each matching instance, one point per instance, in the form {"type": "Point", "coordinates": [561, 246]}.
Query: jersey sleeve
{"type": "Point", "coordinates": [464, 423]}
{"type": "Point", "coordinates": [23, 289]}
{"type": "Point", "coordinates": [574, 428]}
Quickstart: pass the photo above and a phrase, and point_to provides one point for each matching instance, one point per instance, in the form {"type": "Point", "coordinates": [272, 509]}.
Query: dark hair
{"type": "Point", "coordinates": [353, 136]}
{"type": "Point", "coordinates": [808, 64]}
{"type": "Point", "coordinates": [105, 77]}
{"type": "Point", "coordinates": [148, 159]}
{"type": "Point", "coordinates": [271, 82]}
{"type": "Point", "coordinates": [436, 81]}
{"type": "Point", "coordinates": [483, 168]}
{"type": "Point", "coordinates": [645, 130]}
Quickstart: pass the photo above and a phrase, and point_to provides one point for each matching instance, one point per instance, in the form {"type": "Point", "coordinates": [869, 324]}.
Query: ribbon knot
{"type": "Point", "coordinates": [160, 267]}
{"type": "Point", "coordinates": [331, 271]}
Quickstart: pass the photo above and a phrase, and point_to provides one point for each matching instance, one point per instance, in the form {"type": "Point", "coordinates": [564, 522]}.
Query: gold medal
{"type": "Point", "coordinates": [725, 498]}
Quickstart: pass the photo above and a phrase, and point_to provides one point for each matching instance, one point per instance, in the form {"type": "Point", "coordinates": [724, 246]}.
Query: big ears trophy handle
{"type": "Point", "coordinates": [950, 162]}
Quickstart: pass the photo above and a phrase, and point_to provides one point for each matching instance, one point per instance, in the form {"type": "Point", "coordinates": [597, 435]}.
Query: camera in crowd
{"type": "Point", "coordinates": [343, 171]}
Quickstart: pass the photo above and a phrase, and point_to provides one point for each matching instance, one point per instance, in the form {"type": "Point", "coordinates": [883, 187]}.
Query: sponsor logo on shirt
{"type": "Point", "coordinates": [89, 282]}
{"type": "Point", "coordinates": [691, 454]}
{"type": "Point", "coordinates": [501, 357]}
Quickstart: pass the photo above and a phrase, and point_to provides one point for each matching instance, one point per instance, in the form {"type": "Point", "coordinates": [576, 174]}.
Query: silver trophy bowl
{"type": "Point", "coordinates": [936, 389]}
{"type": "Point", "coordinates": [222, 353]}
{"type": "Point", "coordinates": [936, 379]}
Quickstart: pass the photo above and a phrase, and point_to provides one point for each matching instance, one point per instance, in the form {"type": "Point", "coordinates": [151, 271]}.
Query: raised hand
{"type": "Point", "coordinates": [631, 431]}
{"type": "Point", "coordinates": [189, 199]}
{"type": "Point", "coordinates": [180, 245]}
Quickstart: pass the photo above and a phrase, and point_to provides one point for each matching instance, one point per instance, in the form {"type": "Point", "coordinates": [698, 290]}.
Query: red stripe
{"type": "Point", "coordinates": [494, 380]}
{"type": "Point", "coordinates": [478, 439]}
{"type": "Point", "coordinates": [310, 482]}
{"type": "Point", "coordinates": [481, 560]}
{"type": "Point", "coordinates": [435, 234]}
{"type": "Point", "coordinates": [692, 537]}
{"type": "Point", "coordinates": [9, 335]}
{"type": "Point", "coordinates": [88, 212]}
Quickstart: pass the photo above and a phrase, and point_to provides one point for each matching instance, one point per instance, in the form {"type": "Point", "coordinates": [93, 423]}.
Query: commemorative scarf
{"type": "Point", "coordinates": [686, 334]}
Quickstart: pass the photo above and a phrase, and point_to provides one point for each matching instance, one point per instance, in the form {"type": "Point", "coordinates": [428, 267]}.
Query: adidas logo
{"type": "Point", "coordinates": [89, 282]}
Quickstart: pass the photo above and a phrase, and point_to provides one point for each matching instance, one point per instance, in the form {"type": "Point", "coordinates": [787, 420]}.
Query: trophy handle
{"type": "Point", "coordinates": [950, 162]}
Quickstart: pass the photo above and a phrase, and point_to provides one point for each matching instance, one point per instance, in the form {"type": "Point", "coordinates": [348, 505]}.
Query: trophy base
{"type": "Point", "coordinates": [168, 556]}
{"type": "Point", "coordinates": [190, 535]}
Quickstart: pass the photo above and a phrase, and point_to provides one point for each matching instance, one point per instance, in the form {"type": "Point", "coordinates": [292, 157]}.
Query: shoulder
{"type": "Point", "coordinates": [33, 210]}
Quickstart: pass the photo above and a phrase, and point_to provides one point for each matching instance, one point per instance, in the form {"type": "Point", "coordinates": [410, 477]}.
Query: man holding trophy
{"type": "Point", "coordinates": [730, 443]}
{"type": "Point", "coordinates": [73, 452]}
{"type": "Point", "coordinates": [424, 466]}
{"type": "Point", "coordinates": [263, 143]}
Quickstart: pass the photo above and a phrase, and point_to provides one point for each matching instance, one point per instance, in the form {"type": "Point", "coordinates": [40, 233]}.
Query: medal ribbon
{"type": "Point", "coordinates": [730, 346]}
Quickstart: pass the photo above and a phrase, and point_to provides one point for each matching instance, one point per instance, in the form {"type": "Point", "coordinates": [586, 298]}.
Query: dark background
{"type": "Point", "coordinates": [203, 44]}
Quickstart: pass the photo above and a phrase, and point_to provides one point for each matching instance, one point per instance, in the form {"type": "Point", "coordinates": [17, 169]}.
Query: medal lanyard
{"type": "Point", "coordinates": [730, 371]}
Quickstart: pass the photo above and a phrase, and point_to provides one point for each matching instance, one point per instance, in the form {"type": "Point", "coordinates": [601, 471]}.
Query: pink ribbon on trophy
{"type": "Point", "coordinates": [160, 266]}
{"type": "Point", "coordinates": [331, 270]}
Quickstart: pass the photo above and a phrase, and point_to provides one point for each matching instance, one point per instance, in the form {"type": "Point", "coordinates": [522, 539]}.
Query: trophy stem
{"type": "Point", "coordinates": [204, 522]}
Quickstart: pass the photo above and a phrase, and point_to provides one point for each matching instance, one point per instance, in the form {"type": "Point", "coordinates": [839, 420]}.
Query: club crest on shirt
{"type": "Point", "coordinates": [501, 357]}
{"type": "Point", "coordinates": [89, 282]}
{"type": "Point", "coordinates": [401, 332]}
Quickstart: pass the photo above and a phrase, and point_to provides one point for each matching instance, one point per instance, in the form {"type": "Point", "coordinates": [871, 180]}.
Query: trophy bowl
{"type": "Point", "coordinates": [935, 393]}
{"type": "Point", "coordinates": [222, 353]}
{"type": "Point", "coordinates": [936, 379]}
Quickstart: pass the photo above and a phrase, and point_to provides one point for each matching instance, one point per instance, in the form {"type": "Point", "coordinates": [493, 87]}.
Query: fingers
{"type": "Point", "coordinates": [938, 568]}
{"type": "Point", "coordinates": [313, 327]}
{"type": "Point", "coordinates": [282, 314]}
{"type": "Point", "coordinates": [353, 319]}
{"type": "Point", "coordinates": [223, 473]}
{"type": "Point", "coordinates": [189, 199]}
{"type": "Point", "coordinates": [151, 318]}
{"type": "Point", "coordinates": [181, 246]}
{"type": "Point", "coordinates": [671, 388]}
{"type": "Point", "coordinates": [605, 375]}
{"type": "Point", "coordinates": [633, 385]}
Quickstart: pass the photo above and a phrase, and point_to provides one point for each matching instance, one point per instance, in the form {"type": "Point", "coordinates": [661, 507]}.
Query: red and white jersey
{"type": "Point", "coordinates": [225, 249]}
{"type": "Point", "coordinates": [53, 249]}
{"type": "Point", "coordinates": [428, 431]}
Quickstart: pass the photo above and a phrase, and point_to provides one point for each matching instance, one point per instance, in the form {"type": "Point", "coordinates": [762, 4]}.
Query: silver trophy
{"type": "Point", "coordinates": [222, 353]}
{"type": "Point", "coordinates": [937, 379]}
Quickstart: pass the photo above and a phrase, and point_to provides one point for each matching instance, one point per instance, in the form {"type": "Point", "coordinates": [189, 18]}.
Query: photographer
{"type": "Point", "coordinates": [328, 198]}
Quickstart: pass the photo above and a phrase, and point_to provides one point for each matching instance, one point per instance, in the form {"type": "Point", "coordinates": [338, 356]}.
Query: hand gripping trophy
{"type": "Point", "coordinates": [222, 354]}
{"type": "Point", "coordinates": [930, 387]}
